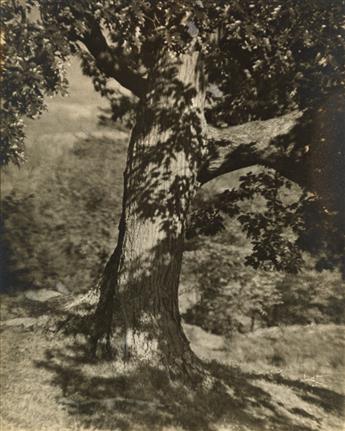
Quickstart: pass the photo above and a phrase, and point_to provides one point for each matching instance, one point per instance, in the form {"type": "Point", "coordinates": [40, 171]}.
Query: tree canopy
{"type": "Point", "coordinates": [262, 58]}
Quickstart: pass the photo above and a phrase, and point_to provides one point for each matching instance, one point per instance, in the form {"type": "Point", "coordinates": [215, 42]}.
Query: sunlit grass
{"type": "Point", "coordinates": [49, 384]}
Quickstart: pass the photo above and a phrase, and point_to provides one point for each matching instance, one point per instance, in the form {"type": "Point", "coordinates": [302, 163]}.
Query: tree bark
{"type": "Point", "coordinates": [306, 147]}
{"type": "Point", "coordinates": [139, 291]}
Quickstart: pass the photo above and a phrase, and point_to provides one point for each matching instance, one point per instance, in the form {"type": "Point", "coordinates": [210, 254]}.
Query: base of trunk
{"type": "Point", "coordinates": [158, 343]}
{"type": "Point", "coordinates": [152, 343]}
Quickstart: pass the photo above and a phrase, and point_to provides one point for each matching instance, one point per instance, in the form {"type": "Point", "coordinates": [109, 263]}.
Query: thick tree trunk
{"type": "Point", "coordinates": [139, 291]}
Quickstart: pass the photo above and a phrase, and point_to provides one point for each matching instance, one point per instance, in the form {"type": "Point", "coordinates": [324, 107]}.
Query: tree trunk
{"type": "Point", "coordinates": [138, 302]}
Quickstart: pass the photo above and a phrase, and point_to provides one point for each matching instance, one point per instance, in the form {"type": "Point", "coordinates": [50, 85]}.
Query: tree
{"type": "Point", "coordinates": [217, 87]}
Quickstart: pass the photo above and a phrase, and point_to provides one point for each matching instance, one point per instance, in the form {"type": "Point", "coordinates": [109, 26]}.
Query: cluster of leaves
{"type": "Point", "coordinates": [274, 229]}
{"type": "Point", "coordinates": [208, 214]}
{"type": "Point", "coordinates": [284, 223]}
{"type": "Point", "coordinates": [263, 59]}
{"type": "Point", "coordinates": [274, 56]}
{"type": "Point", "coordinates": [288, 226]}
{"type": "Point", "coordinates": [31, 68]}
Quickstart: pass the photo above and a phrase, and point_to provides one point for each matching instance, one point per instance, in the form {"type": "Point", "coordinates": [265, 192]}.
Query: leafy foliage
{"type": "Point", "coordinates": [32, 68]}
{"type": "Point", "coordinates": [284, 222]}
{"type": "Point", "coordinates": [273, 56]}
{"type": "Point", "coordinates": [233, 297]}
{"type": "Point", "coordinates": [309, 298]}
{"type": "Point", "coordinates": [261, 58]}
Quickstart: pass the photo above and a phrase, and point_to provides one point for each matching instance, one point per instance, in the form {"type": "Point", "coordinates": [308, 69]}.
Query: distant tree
{"type": "Point", "coordinates": [201, 72]}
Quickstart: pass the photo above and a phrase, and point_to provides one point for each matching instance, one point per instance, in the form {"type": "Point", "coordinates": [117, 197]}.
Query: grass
{"type": "Point", "coordinates": [48, 383]}
{"type": "Point", "coordinates": [313, 353]}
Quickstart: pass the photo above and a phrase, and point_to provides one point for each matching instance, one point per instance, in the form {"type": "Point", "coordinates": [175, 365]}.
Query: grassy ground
{"type": "Point", "coordinates": [276, 379]}
{"type": "Point", "coordinates": [61, 212]}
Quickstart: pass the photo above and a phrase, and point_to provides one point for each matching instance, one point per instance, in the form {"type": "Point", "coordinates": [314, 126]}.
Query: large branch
{"type": "Point", "coordinates": [246, 145]}
{"type": "Point", "coordinates": [111, 61]}
{"type": "Point", "coordinates": [306, 147]}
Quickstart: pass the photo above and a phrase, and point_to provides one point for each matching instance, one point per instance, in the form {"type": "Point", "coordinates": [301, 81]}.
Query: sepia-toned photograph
{"type": "Point", "coordinates": [172, 231]}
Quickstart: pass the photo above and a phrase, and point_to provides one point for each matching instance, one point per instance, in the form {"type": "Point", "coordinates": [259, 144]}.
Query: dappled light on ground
{"type": "Point", "coordinates": [52, 379]}
{"type": "Point", "coordinates": [123, 395]}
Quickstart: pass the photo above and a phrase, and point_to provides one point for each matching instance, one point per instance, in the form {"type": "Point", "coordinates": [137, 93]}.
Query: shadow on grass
{"type": "Point", "coordinates": [328, 400]}
{"type": "Point", "coordinates": [112, 395]}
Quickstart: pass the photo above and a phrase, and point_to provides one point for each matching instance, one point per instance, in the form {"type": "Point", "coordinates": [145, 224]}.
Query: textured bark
{"type": "Point", "coordinates": [139, 290]}
{"type": "Point", "coordinates": [306, 147]}
{"type": "Point", "coordinates": [248, 144]}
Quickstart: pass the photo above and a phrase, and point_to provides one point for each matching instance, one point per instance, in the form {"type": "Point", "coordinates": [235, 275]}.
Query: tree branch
{"type": "Point", "coordinates": [111, 62]}
{"type": "Point", "coordinates": [306, 147]}
{"type": "Point", "coordinates": [246, 145]}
